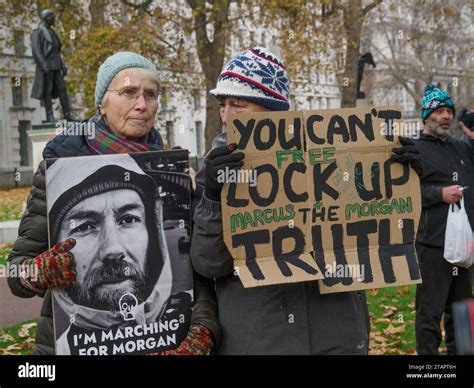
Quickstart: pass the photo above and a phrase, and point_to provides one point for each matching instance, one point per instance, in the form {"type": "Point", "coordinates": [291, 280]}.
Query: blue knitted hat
{"type": "Point", "coordinates": [114, 64]}
{"type": "Point", "coordinates": [258, 76]}
{"type": "Point", "coordinates": [433, 99]}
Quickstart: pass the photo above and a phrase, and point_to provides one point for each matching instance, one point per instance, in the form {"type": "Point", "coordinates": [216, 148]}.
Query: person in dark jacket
{"type": "Point", "coordinates": [466, 122]}
{"type": "Point", "coordinates": [126, 96]}
{"type": "Point", "coordinates": [448, 166]}
{"type": "Point", "coordinates": [285, 319]}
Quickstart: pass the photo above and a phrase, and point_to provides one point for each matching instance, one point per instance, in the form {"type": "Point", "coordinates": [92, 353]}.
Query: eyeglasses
{"type": "Point", "coordinates": [132, 95]}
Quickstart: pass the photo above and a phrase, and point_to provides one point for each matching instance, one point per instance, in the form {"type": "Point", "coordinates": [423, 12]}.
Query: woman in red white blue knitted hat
{"type": "Point", "coordinates": [280, 319]}
{"type": "Point", "coordinates": [257, 76]}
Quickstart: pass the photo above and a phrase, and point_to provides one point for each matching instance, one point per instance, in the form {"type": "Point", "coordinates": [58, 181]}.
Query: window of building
{"type": "Point", "coordinates": [18, 87]}
{"type": "Point", "coordinates": [197, 99]}
{"type": "Point", "coordinates": [450, 58]}
{"type": "Point", "coordinates": [19, 37]}
{"type": "Point", "coordinates": [199, 136]}
{"type": "Point", "coordinates": [170, 134]}
{"type": "Point", "coordinates": [23, 127]}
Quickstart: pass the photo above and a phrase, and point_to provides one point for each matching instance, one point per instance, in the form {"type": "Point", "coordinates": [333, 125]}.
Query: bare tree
{"type": "Point", "coordinates": [416, 43]}
{"type": "Point", "coordinates": [321, 30]}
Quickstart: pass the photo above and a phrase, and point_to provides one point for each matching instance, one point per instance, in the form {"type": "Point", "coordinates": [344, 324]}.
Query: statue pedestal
{"type": "Point", "coordinates": [361, 103]}
{"type": "Point", "coordinates": [39, 136]}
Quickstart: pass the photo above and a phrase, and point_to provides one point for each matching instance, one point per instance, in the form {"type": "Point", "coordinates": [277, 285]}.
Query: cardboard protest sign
{"type": "Point", "coordinates": [130, 217]}
{"type": "Point", "coordinates": [325, 201]}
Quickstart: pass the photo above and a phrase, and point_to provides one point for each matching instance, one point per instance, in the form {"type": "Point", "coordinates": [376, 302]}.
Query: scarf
{"type": "Point", "coordinates": [105, 142]}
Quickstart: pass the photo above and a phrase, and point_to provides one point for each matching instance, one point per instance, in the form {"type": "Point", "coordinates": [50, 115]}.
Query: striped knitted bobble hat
{"type": "Point", "coordinates": [258, 76]}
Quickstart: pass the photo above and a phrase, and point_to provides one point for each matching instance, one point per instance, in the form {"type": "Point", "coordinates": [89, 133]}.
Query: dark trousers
{"type": "Point", "coordinates": [442, 285]}
{"type": "Point", "coordinates": [54, 78]}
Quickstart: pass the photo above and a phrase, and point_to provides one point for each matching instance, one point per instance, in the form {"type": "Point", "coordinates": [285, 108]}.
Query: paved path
{"type": "Point", "coordinates": [9, 231]}
{"type": "Point", "coordinates": [14, 310]}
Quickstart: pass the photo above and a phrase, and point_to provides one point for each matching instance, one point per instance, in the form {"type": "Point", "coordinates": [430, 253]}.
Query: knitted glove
{"type": "Point", "coordinates": [198, 342]}
{"type": "Point", "coordinates": [219, 159]}
{"type": "Point", "coordinates": [55, 268]}
{"type": "Point", "coordinates": [408, 154]}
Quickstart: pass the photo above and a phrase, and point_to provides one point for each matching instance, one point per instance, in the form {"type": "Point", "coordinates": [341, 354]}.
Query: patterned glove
{"type": "Point", "coordinates": [198, 342]}
{"type": "Point", "coordinates": [55, 268]}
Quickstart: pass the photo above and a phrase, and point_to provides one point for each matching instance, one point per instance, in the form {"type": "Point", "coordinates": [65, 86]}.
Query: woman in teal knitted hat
{"type": "Point", "coordinates": [126, 98]}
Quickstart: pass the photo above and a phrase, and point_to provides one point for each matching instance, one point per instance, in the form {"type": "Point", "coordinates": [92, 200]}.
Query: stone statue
{"type": "Point", "coordinates": [50, 68]}
{"type": "Point", "coordinates": [366, 58]}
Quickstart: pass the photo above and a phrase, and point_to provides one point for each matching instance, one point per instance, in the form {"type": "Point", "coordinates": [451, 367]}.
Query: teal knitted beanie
{"type": "Point", "coordinates": [433, 99]}
{"type": "Point", "coordinates": [114, 64]}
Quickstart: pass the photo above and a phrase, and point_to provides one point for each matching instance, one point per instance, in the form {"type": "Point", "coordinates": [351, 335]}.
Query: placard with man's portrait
{"type": "Point", "coordinates": [128, 219]}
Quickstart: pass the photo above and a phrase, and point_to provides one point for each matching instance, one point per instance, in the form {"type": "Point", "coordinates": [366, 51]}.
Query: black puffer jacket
{"type": "Point", "coordinates": [33, 240]}
{"type": "Point", "coordinates": [445, 163]}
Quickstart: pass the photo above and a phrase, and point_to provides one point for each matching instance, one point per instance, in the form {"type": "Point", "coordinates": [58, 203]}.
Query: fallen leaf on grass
{"type": "Point", "coordinates": [392, 344]}
{"type": "Point", "coordinates": [394, 352]}
{"type": "Point", "coordinates": [402, 291]}
{"type": "Point", "coordinates": [382, 320]}
{"type": "Point", "coordinates": [29, 325]}
{"type": "Point", "coordinates": [391, 329]}
{"type": "Point", "coordinates": [389, 311]}
{"type": "Point", "coordinates": [376, 352]}
{"type": "Point", "coordinates": [378, 338]}
{"type": "Point", "coordinates": [25, 330]}
{"type": "Point", "coordinates": [7, 337]}
{"type": "Point", "coordinates": [5, 352]}
{"type": "Point", "coordinates": [374, 292]}
{"type": "Point", "coordinates": [13, 347]}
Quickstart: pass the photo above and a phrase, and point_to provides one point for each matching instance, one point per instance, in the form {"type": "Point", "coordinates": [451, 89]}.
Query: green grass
{"type": "Point", "coordinates": [392, 312]}
{"type": "Point", "coordinates": [4, 252]}
{"type": "Point", "coordinates": [10, 213]}
{"type": "Point", "coordinates": [18, 339]}
{"type": "Point", "coordinates": [393, 331]}
{"type": "Point", "coordinates": [12, 202]}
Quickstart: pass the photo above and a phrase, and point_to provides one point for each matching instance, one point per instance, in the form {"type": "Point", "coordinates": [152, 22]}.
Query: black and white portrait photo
{"type": "Point", "coordinates": [130, 216]}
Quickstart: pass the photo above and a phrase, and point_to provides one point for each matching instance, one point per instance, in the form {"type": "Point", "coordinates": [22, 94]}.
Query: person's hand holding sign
{"type": "Point", "coordinates": [55, 268]}
{"type": "Point", "coordinates": [408, 154]}
{"type": "Point", "coordinates": [198, 342]}
{"type": "Point", "coordinates": [220, 160]}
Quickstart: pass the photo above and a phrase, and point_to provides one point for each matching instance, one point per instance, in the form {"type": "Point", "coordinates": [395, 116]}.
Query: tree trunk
{"type": "Point", "coordinates": [353, 19]}
{"type": "Point", "coordinates": [213, 121]}
{"type": "Point", "coordinates": [211, 56]}
{"type": "Point", "coordinates": [97, 12]}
